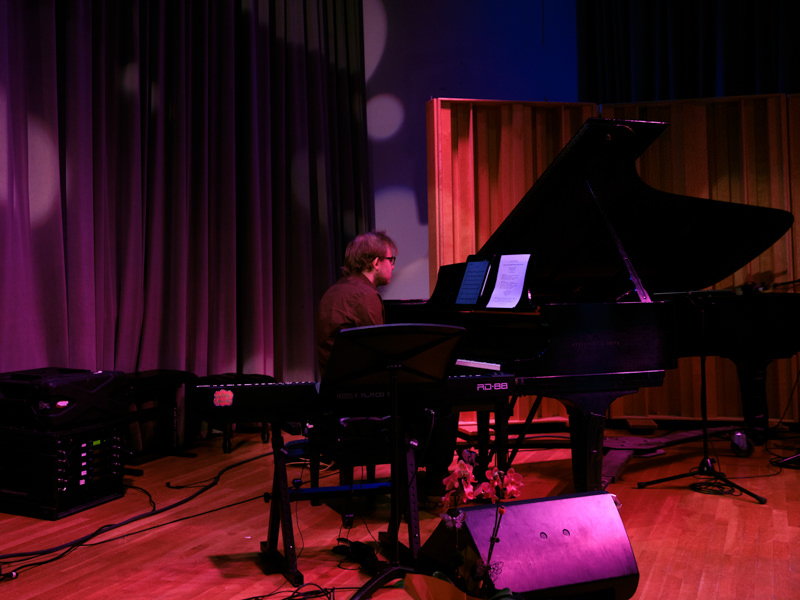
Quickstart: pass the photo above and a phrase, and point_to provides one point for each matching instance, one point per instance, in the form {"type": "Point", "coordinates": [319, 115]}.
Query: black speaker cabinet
{"type": "Point", "coordinates": [562, 547]}
{"type": "Point", "coordinates": [53, 474]}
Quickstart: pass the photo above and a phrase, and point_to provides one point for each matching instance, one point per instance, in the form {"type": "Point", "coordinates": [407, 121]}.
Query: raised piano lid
{"type": "Point", "coordinates": [590, 211]}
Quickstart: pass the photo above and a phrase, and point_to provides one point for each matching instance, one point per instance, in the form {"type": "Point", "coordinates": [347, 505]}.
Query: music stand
{"type": "Point", "coordinates": [393, 357]}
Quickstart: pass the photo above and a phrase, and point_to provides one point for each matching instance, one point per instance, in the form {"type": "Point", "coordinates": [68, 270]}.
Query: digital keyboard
{"type": "Point", "coordinates": [264, 401]}
{"type": "Point", "coordinates": [257, 400]}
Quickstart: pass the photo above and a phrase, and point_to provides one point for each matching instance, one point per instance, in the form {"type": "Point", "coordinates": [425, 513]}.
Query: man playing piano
{"type": "Point", "coordinates": [354, 301]}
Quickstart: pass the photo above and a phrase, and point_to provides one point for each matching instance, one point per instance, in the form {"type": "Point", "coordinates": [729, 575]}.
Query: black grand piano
{"type": "Point", "coordinates": [592, 287]}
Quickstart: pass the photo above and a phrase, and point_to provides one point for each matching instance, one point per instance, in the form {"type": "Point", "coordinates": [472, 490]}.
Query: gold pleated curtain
{"type": "Point", "coordinates": [484, 155]}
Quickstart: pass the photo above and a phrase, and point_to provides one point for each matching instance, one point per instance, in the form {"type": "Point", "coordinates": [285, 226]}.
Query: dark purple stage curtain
{"type": "Point", "coordinates": [634, 51]}
{"type": "Point", "coordinates": [177, 180]}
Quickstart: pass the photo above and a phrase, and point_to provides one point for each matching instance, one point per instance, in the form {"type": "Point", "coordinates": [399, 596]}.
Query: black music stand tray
{"type": "Point", "coordinates": [365, 360]}
{"type": "Point", "coordinates": [397, 357]}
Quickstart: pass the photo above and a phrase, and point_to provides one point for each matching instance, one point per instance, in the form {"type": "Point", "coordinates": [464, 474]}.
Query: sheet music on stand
{"type": "Point", "coordinates": [510, 281]}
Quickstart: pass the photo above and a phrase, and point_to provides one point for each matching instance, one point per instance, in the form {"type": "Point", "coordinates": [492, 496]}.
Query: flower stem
{"type": "Point", "coordinates": [498, 515]}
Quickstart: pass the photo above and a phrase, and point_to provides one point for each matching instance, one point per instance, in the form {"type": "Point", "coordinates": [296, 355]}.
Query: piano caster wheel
{"type": "Point", "coordinates": [740, 444]}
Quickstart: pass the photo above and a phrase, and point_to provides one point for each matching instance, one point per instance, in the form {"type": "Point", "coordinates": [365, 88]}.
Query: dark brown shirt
{"type": "Point", "coordinates": [353, 301]}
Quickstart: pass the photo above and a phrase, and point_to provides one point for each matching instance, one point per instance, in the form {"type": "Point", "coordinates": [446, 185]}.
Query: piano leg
{"type": "Point", "coordinates": [586, 434]}
{"type": "Point", "coordinates": [587, 422]}
{"type": "Point", "coordinates": [752, 384]}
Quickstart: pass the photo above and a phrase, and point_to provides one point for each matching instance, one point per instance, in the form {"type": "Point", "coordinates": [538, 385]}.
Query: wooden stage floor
{"type": "Point", "coordinates": [687, 544]}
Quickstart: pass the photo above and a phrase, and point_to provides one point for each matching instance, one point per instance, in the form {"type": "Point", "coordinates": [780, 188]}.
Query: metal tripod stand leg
{"type": "Point", "coordinates": [706, 467]}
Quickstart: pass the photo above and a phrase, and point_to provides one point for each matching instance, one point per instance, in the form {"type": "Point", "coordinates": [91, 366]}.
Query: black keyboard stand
{"type": "Point", "coordinates": [280, 517]}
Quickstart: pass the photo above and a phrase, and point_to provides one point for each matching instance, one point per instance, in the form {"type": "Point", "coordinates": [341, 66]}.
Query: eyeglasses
{"type": "Point", "coordinates": [391, 259]}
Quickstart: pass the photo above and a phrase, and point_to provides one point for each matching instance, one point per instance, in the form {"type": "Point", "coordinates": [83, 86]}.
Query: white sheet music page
{"type": "Point", "coordinates": [510, 281]}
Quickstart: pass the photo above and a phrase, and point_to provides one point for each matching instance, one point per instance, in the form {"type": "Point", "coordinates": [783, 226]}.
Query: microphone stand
{"type": "Point", "coordinates": [706, 467]}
